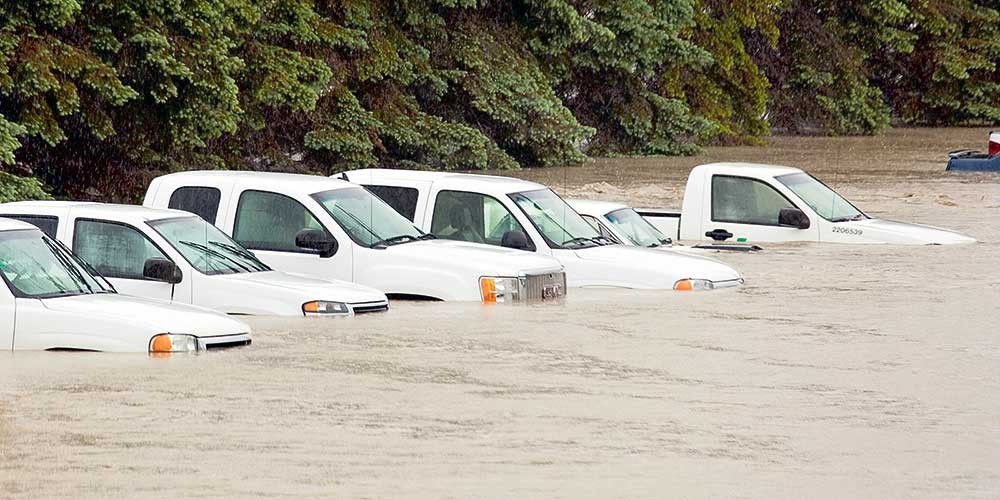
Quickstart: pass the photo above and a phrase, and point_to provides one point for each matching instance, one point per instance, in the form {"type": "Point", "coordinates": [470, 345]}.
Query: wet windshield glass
{"type": "Point", "coordinates": [207, 248]}
{"type": "Point", "coordinates": [366, 218]}
{"type": "Point", "coordinates": [556, 220]}
{"type": "Point", "coordinates": [825, 201]}
{"type": "Point", "coordinates": [637, 229]}
{"type": "Point", "coordinates": [38, 267]}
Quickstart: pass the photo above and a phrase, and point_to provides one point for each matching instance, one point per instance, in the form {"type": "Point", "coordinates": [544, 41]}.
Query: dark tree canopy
{"type": "Point", "coordinates": [97, 97]}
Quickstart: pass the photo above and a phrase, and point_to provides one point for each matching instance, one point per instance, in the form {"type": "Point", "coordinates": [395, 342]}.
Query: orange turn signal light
{"type": "Point", "coordinates": [489, 289]}
{"type": "Point", "coordinates": [162, 343]}
{"type": "Point", "coordinates": [684, 286]}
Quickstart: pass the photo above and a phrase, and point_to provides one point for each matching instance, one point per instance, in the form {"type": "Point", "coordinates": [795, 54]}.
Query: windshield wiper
{"type": "Point", "coordinates": [402, 238]}
{"type": "Point", "coordinates": [427, 236]}
{"type": "Point", "coordinates": [242, 253]}
{"type": "Point", "coordinates": [581, 241]}
{"type": "Point", "coordinates": [74, 272]}
{"type": "Point", "coordinates": [217, 254]}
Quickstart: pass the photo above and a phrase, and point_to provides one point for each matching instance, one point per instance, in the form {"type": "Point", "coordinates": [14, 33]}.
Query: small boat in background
{"type": "Point", "coordinates": [970, 160]}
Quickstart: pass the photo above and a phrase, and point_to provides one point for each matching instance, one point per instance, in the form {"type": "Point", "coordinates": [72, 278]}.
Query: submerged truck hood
{"type": "Point", "coordinates": [489, 260]}
{"type": "Point", "coordinates": [637, 267]}
{"type": "Point", "coordinates": [295, 290]}
{"type": "Point", "coordinates": [152, 315]}
{"type": "Point", "coordinates": [904, 233]}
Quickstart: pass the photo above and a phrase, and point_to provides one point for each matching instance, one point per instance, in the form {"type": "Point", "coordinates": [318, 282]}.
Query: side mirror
{"type": "Point", "coordinates": [793, 217]}
{"type": "Point", "coordinates": [516, 240]}
{"type": "Point", "coordinates": [162, 270]}
{"type": "Point", "coordinates": [317, 239]}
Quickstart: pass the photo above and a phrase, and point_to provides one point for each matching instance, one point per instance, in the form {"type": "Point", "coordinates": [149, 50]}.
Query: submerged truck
{"type": "Point", "coordinates": [746, 202]}
{"type": "Point", "coordinates": [331, 229]}
{"type": "Point", "coordinates": [523, 215]}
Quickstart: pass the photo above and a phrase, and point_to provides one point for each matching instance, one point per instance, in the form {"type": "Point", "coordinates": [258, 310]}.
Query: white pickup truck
{"type": "Point", "coordinates": [746, 202]}
{"type": "Point", "coordinates": [513, 213]}
{"type": "Point", "coordinates": [176, 256]}
{"type": "Point", "coordinates": [332, 229]}
{"type": "Point", "coordinates": [51, 300]}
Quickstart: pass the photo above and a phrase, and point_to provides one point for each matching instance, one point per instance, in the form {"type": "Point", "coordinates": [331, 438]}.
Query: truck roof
{"type": "Point", "coordinates": [110, 211]}
{"type": "Point", "coordinates": [274, 181]}
{"type": "Point", "coordinates": [595, 208]}
{"type": "Point", "coordinates": [14, 225]}
{"type": "Point", "coordinates": [748, 169]}
{"type": "Point", "coordinates": [479, 182]}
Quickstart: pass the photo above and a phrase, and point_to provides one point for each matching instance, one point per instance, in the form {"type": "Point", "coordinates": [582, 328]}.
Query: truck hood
{"type": "Point", "coordinates": [489, 260]}
{"type": "Point", "coordinates": [637, 267]}
{"type": "Point", "coordinates": [153, 315]}
{"type": "Point", "coordinates": [298, 289]}
{"type": "Point", "coordinates": [886, 231]}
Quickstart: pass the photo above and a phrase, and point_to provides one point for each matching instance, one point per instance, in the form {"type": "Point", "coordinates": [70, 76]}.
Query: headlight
{"type": "Point", "coordinates": [693, 285]}
{"type": "Point", "coordinates": [171, 342]}
{"type": "Point", "coordinates": [499, 289]}
{"type": "Point", "coordinates": [324, 308]}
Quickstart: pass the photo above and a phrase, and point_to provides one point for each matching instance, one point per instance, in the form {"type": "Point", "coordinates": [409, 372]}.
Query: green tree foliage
{"type": "Point", "coordinates": [16, 188]}
{"type": "Point", "coordinates": [97, 97]}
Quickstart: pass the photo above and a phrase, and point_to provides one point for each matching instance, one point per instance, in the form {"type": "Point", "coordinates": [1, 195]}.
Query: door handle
{"type": "Point", "coordinates": [719, 234]}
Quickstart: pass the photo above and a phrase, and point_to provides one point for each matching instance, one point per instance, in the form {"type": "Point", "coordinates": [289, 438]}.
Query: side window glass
{"type": "Point", "coordinates": [48, 225]}
{"type": "Point", "coordinates": [201, 201]}
{"type": "Point", "coordinates": [746, 201]}
{"type": "Point", "coordinates": [270, 221]}
{"type": "Point", "coordinates": [472, 217]}
{"type": "Point", "coordinates": [402, 199]}
{"type": "Point", "coordinates": [600, 228]}
{"type": "Point", "coordinates": [115, 250]}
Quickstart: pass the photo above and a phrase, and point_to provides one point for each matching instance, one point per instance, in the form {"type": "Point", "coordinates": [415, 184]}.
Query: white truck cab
{"type": "Point", "coordinates": [513, 213]}
{"type": "Point", "coordinates": [176, 256]}
{"type": "Point", "coordinates": [51, 300]}
{"type": "Point", "coordinates": [747, 202]}
{"type": "Point", "coordinates": [332, 229]}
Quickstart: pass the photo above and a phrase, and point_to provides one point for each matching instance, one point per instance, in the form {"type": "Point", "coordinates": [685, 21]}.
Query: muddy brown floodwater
{"type": "Point", "coordinates": [836, 372]}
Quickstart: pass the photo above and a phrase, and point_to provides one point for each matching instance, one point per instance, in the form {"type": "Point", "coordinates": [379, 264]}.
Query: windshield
{"type": "Point", "coordinates": [825, 201]}
{"type": "Point", "coordinates": [366, 218]}
{"type": "Point", "coordinates": [561, 226]}
{"type": "Point", "coordinates": [38, 267]}
{"type": "Point", "coordinates": [637, 229]}
{"type": "Point", "coordinates": [207, 248]}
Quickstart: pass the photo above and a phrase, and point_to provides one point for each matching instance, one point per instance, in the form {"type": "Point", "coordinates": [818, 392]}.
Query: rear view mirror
{"type": "Point", "coordinates": [793, 217]}
{"type": "Point", "coordinates": [162, 270]}
{"type": "Point", "coordinates": [318, 240]}
{"type": "Point", "coordinates": [516, 240]}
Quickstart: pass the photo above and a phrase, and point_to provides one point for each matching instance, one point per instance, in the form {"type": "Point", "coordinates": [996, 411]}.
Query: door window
{"type": "Point", "coordinates": [403, 199]}
{"type": "Point", "coordinates": [474, 217]}
{"type": "Point", "coordinates": [48, 224]}
{"type": "Point", "coordinates": [115, 250]}
{"type": "Point", "coordinates": [270, 221]}
{"type": "Point", "coordinates": [201, 201]}
{"type": "Point", "coordinates": [746, 201]}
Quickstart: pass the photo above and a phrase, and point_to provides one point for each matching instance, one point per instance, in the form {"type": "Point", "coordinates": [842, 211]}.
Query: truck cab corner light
{"type": "Point", "coordinates": [489, 290]}
{"type": "Point", "coordinates": [689, 285]}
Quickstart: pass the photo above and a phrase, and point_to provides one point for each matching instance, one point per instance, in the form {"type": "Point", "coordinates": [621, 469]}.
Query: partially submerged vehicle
{"type": "Point", "coordinates": [971, 160]}
{"type": "Point", "coordinates": [526, 216]}
{"type": "Point", "coordinates": [177, 256]}
{"type": "Point", "coordinates": [332, 229]}
{"type": "Point", "coordinates": [622, 224]}
{"type": "Point", "coordinates": [52, 300]}
{"type": "Point", "coordinates": [747, 202]}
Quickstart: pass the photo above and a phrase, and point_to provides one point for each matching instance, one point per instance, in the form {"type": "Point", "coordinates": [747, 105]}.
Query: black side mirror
{"type": "Point", "coordinates": [317, 239]}
{"type": "Point", "coordinates": [162, 270]}
{"type": "Point", "coordinates": [793, 217]}
{"type": "Point", "coordinates": [516, 240]}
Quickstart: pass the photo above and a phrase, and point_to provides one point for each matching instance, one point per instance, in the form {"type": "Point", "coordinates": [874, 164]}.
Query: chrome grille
{"type": "Point", "coordinates": [369, 307]}
{"type": "Point", "coordinates": [536, 284]}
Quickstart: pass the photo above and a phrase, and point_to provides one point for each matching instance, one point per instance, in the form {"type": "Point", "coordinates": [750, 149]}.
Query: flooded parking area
{"type": "Point", "coordinates": [835, 372]}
